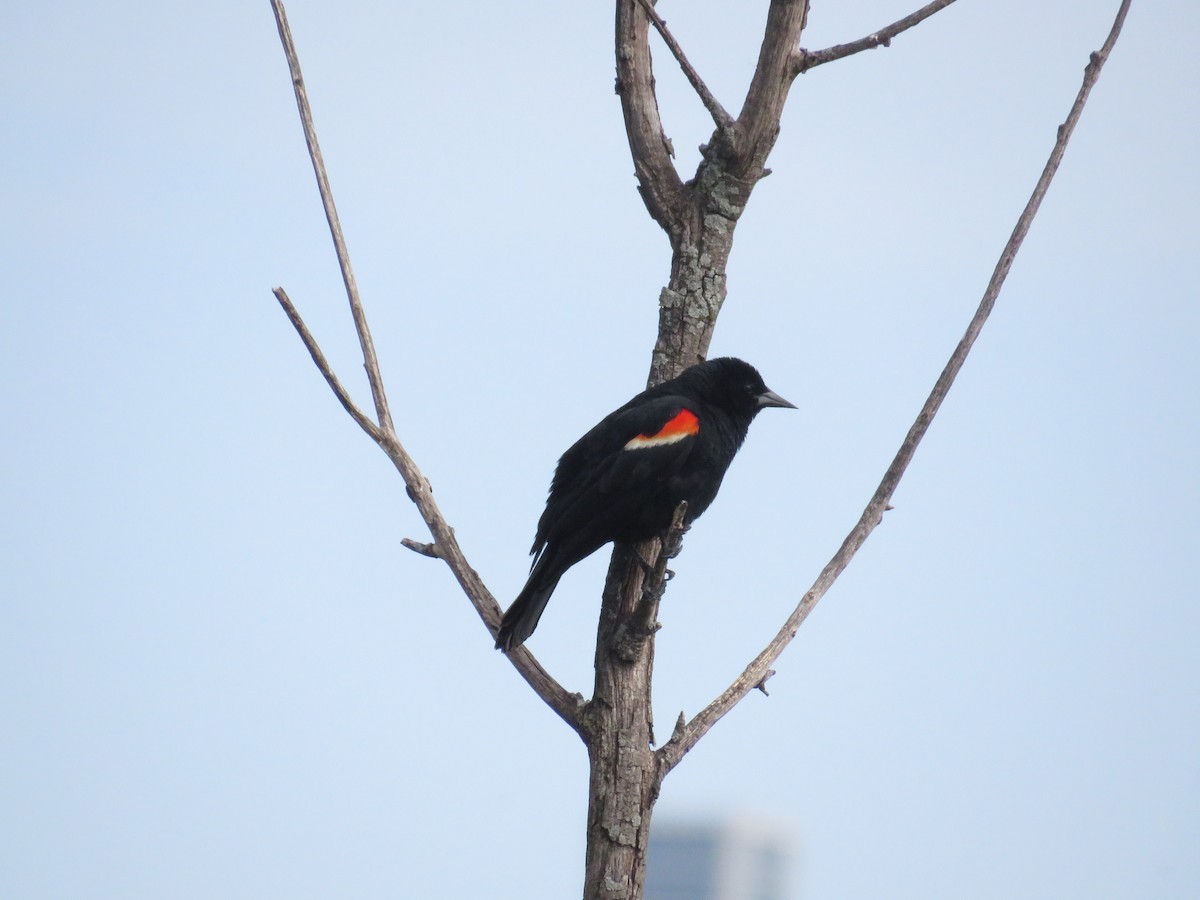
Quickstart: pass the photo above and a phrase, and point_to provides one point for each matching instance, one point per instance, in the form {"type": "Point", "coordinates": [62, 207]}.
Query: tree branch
{"type": "Point", "coordinates": [370, 361]}
{"type": "Point", "coordinates": [756, 673]}
{"type": "Point", "coordinates": [722, 118]}
{"type": "Point", "coordinates": [758, 122]}
{"type": "Point", "coordinates": [314, 350]}
{"type": "Point", "coordinates": [658, 182]}
{"type": "Point", "coordinates": [445, 545]}
{"type": "Point", "coordinates": [805, 60]}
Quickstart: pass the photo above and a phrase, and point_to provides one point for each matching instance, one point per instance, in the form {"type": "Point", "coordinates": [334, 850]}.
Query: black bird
{"type": "Point", "coordinates": [623, 480]}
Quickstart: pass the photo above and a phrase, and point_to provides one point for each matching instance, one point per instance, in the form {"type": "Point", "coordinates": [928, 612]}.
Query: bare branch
{"type": "Point", "coordinates": [658, 182]}
{"type": "Point", "coordinates": [445, 545]}
{"type": "Point", "coordinates": [756, 673]}
{"type": "Point", "coordinates": [758, 122]}
{"type": "Point", "coordinates": [712, 104]}
{"type": "Point", "coordinates": [805, 60]}
{"type": "Point", "coordinates": [314, 350]}
{"type": "Point", "coordinates": [370, 361]}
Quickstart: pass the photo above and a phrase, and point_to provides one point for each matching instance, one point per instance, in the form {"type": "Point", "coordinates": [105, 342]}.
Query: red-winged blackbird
{"type": "Point", "coordinates": [623, 480]}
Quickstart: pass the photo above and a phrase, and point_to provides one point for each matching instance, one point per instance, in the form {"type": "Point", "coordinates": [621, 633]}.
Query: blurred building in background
{"type": "Point", "coordinates": [736, 858]}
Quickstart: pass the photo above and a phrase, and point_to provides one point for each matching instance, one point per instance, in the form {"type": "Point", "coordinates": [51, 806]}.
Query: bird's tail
{"type": "Point", "coordinates": [522, 617]}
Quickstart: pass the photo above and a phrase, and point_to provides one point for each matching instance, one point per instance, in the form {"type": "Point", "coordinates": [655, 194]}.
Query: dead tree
{"type": "Point", "coordinates": [699, 216]}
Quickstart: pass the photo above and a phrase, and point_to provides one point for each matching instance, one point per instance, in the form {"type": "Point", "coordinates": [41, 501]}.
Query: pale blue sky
{"type": "Point", "coordinates": [221, 675]}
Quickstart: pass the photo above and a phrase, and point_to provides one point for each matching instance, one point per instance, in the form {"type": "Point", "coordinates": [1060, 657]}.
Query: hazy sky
{"type": "Point", "coordinates": [222, 676]}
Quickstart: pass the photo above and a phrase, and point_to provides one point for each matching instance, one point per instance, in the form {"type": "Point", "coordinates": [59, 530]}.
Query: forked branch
{"type": "Point", "coordinates": [758, 670]}
{"type": "Point", "coordinates": [318, 356]}
{"type": "Point", "coordinates": [383, 433]}
{"type": "Point", "coordinates": [723, 119]}
{"type": "Point", "coordinates": [370, 360]}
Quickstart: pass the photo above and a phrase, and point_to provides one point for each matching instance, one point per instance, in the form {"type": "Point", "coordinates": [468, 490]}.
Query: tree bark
{"type": "Point", "coordinates": [623, 781]}
{"type": "Point", "coordinates": [699, 218]}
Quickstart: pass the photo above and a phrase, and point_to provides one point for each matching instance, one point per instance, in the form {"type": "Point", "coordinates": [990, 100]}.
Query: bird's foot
{"type": "Point", "coordinates": [673, 541]}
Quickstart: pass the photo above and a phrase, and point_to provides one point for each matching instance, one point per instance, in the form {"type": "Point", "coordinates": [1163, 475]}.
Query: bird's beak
{"type": "Point", "coordinates": [770, 398]}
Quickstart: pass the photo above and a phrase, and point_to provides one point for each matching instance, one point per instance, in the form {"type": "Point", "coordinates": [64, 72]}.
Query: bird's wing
{"type": "Point", "coordinates": [656, 423]}
{"type": "Point", "coordinates": [645, 441]}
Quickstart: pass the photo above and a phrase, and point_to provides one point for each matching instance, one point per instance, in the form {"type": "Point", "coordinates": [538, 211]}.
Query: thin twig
{"type": "Point", "coordinates": [445, 546]}
{"type": "Point", "coordinates": [712, 104]}
{"type": "Point", "coordinates": [757, 672]}
{"type": "Point", "coordinates": [805, 59]}
{"type": "Point", "coordinates": [370, 361]}
{"type": "Point", "coordinates": [425, 549]}
{"type": "Point", "coordinates": [314, 350]}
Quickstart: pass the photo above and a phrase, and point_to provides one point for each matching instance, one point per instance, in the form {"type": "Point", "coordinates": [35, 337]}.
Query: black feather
{"type": "Point", "coordinates": [623, 480]}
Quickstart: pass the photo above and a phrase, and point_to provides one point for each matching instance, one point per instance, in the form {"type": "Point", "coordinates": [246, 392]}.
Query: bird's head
{"type": "Point", "coordinates": [735, 386]}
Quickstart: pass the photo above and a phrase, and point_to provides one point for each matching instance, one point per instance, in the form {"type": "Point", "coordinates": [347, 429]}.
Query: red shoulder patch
{"type": "Point", "coordinates": [682, 425]}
